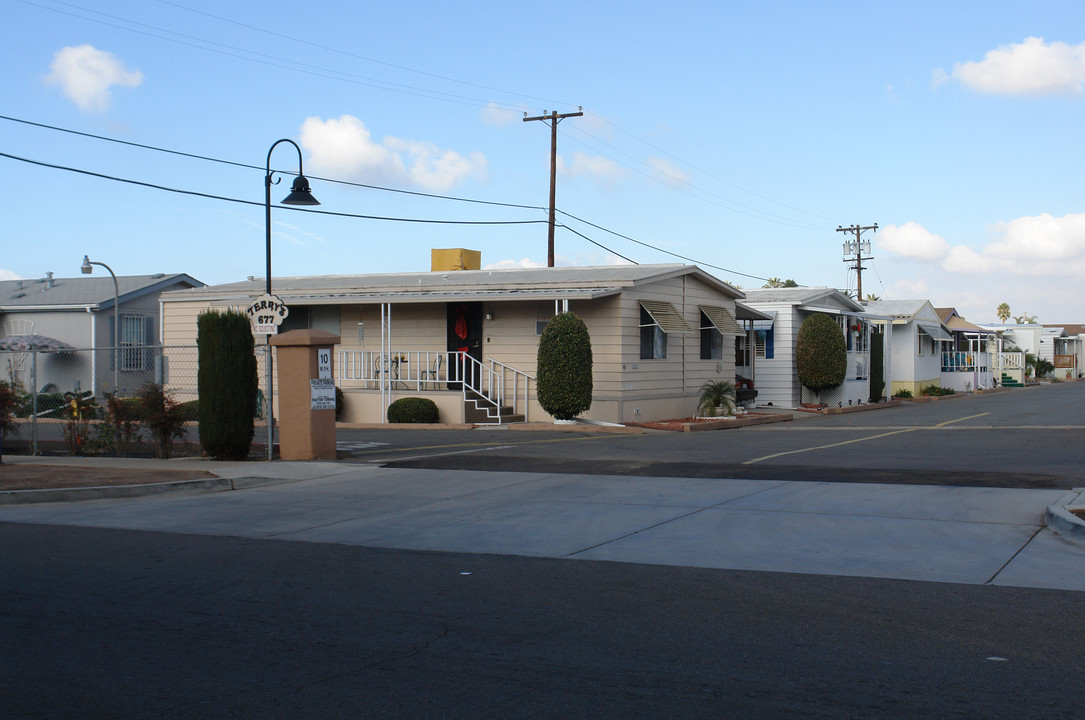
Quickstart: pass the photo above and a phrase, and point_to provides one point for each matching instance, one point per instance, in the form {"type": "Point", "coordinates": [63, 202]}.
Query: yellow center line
{"type": "Point", "coordinates": [377, 451]}
{"type": "Point", "coordinates": [856, 440]}
{"type": "Point", "coordinates": [950, 422]}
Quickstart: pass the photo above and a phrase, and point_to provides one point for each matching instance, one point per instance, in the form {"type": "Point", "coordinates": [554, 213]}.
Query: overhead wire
{"type": "Point", "coordinates": [335, 74]}
{"type": "Point", "coordinates": [207, 158]}
{"type": "Point", "coordinates": [248, 166]}
{"type": "Point", "coordinates": [239, 201]}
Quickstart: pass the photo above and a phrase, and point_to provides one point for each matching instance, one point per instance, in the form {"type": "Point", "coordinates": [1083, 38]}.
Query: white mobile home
{"type": "Point", "coordinates": [658, 333]}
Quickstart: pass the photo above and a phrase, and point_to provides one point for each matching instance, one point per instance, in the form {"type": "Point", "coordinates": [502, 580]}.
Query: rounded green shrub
{"type": "Point", "coordinates": [413, 410]}
{"type": "Point", "coordinates": [821, 353]}
{"type": "Point", "coordinates": [564, 384]}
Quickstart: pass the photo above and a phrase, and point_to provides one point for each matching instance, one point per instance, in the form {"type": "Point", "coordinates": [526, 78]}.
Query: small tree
{"type": "Point", "coordinates": [1003, 312]}
{"type": "Point", "coordinates": [564, 384]}
{"type": "Point", "coordinates": [227, 382]}
{"type": "Point", "coordinates": [7, 414]}
{"type": "Point", "coordinates": [163, 416]}
{"type": "Point", "coordinates": [821, 353]}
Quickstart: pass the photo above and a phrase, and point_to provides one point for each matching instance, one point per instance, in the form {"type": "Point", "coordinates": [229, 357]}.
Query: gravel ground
{"type": "Point", "coordinates": [40, 477]}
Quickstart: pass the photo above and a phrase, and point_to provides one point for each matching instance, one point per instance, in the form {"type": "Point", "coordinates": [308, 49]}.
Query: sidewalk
{"type": "Point", "coordinates": [928, 533]}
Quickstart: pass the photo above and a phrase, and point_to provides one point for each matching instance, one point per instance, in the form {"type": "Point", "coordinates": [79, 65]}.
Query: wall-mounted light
{"type": "Point", "coordinates": [489, 316]}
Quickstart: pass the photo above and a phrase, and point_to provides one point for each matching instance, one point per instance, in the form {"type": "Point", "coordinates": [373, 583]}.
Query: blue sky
{"type": "Point", "coordinates": [737, 135]}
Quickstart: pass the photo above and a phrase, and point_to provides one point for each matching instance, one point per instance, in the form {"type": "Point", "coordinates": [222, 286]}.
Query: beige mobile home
{"type": "Point", "coordinates": [468, 339]}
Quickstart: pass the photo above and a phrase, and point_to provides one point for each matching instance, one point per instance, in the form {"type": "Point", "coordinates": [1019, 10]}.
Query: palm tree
{"type": "Point", "coordinates": [773, 282]}
{"type": "Point", "coordinates": [1025, 319]}
{"type": "Point", "coordinates": [1003, 312]}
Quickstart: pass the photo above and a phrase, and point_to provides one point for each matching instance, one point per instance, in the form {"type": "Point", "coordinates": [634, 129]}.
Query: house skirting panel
{"type": "Point", "coordinates": [914, 386]}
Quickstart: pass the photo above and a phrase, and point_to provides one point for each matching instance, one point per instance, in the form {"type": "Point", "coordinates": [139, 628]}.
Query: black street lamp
{"type": "Point", "coordinates": [299, 195]}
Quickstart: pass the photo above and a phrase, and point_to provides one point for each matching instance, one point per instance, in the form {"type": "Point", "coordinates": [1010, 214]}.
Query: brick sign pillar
{"type": "Point", "coordinates": [306, 394]}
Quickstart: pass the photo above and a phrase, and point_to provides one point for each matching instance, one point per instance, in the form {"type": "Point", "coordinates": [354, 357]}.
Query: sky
{"type": "Point", "coordinates": [735, 136]}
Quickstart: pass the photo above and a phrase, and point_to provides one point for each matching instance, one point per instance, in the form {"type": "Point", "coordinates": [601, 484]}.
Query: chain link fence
{"type": "Point", "coordinates": [62, 398]}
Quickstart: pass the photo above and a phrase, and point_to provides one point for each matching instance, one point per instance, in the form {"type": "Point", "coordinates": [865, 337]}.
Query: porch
{"type": "Point", "coordinates": [465, 389]}
{"type": "Point", "coordinates": [967, 370]}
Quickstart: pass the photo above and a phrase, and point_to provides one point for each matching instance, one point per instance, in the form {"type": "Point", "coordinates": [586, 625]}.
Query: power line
{"type": "Point", "coordinates": [349, 215]}
{"type": "Point", "coordinates": [254, 56]}
{"type": "Point", "coordinates": [659, 249]}
{"type": "Point", "coordinates": [224, 198]}
{"type": "Point", "coordinates": [599, 244]}
{"type": "Point", "coordinates": [706, 172]}
{"type": "Point", "coordinates": [334, 74]}
{"type": "Point", "coordinates": [232, 163]}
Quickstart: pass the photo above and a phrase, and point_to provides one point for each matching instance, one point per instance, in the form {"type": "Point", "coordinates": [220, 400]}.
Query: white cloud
{"type": "Point", "coordinates": [513, 264]}
{"type": "Point", "coordinates": [86, 76]}
{"type": "Point", "coordinates": [912, 240]}
{"type": "Point", "coordinates": [672, 174]}
{"type": "Point", "coordinates": [908, 288]}
{"type": "Point", "coordinates": [344, 147]}
{"type": "Point", "coordinates": [1032, 67]}
{"type": "Point", "coordinates": [1041, 244]}
{"type": "Point", "coordinates": [963, 259]}
{"type": "Point", "coordinates": [9, 275]}
{"type": "Point", "coordinates": [1035, 246]}
{"type": "Point", "coordinates": [595, 167]}
{"type": "Point", "coordinates": [497, 116]}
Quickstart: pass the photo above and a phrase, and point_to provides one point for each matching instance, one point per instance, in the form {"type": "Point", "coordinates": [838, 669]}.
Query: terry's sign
{"type": "Point", "coordinates": [266, 313]}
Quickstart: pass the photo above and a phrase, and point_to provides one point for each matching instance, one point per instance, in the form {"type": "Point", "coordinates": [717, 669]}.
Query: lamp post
{"type": "Point", "coordinates": [87, 270]}
{"type": "Point", "coordinates": [299, 195]}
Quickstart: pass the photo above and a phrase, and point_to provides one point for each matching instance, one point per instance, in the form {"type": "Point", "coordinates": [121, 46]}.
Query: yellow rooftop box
{"type": "Point", "coordinates": [455, 259]}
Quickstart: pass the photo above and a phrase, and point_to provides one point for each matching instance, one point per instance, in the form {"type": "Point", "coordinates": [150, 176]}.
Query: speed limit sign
{"type": "Point", "coordinates": [324, 363]}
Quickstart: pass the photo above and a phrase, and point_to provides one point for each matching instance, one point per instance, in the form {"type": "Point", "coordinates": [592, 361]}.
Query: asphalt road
{"type": "Point", "coordinates": [124, 624]}
{"type": "Point", "coordinates": [1030, 438]}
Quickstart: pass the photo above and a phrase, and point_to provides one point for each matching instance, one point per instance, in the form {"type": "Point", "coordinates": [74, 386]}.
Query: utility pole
{"type": "Point", "coordinates": [853, 252]}
{"type": "Point", "coordinates": [554, 119]}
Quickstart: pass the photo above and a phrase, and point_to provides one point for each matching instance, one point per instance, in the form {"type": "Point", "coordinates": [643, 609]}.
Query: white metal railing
{"type": "Point", "coordinates": [493, 384]}
{"type": "Point", "coordinates": [965, 361]}
{"type": "Point", "coordinates": [407, 370]}
{"type": "Point", "coordinates": [1011, 361]}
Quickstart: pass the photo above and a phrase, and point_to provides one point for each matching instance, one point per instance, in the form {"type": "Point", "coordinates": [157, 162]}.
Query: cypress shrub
{"type": "Point", "coordinates": [227, 384]}
{"type": "Point", "coordinates": [413, 410]}
{"type": "Point", "coordinates": [564, 384]}
{"type": "Point", "coordinates": [821, 353]}
{"type": "Point", "coordinates": [877, 366]}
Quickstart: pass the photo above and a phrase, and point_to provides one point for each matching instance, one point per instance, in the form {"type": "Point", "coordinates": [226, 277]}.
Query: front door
{"type": "Point", "coordinates": [464, 336]}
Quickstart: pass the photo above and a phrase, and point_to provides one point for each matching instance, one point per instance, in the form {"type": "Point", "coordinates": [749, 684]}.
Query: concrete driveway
{"type": "Point", "coordinates": [931, 533]}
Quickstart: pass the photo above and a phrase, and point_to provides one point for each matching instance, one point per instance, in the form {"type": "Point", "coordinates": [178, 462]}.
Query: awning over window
{"type": "Point", "coordinates": [665, 316]}
{"type": "Point", "coordinates": [765, 324]}
{"type": "Point", "coordinates": [722, 320]}
{"type": "Point", "coordinates": [934, 330]}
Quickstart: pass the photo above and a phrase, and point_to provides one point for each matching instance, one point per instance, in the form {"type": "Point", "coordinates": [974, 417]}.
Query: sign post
{"type": "Point", "coordinates": [266, 313]}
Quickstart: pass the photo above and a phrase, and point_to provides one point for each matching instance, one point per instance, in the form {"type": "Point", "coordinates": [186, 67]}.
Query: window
{"type": "Point", "coordinates": [716, 322]}
{"type": "Point", "coordinates": [763, 344]}
{"type": "Point", "coordinates": [711, 339]}
{"type": "Point", "coordinates": [135, 335]}
{"type": "Point", "coordinates": [653, 341]}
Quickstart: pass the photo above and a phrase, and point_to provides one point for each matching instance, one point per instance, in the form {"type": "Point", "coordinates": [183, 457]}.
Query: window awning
{"type": "Point", "coordinates": [722, 319]}
{"type": "Point", "coordinates": [765, 324]}
{"type": "Point", "coordinates": [934, 330]}
{"type": "Point", "coordinates": [665, 316]}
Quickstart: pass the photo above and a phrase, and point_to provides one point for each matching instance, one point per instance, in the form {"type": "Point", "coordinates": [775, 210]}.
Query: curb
{"type": "Point", "coordinates": [1059, 518]}
{"type": "Point", "coordinates": [113, 492]}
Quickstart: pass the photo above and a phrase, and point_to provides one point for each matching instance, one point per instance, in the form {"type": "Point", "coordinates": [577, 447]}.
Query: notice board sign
{"type": "Point", "coordinates": [322, 394]}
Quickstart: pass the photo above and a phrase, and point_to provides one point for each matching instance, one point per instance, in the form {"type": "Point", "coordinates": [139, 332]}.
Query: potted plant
{"type": "Point", "coordinates": [717, 398]}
